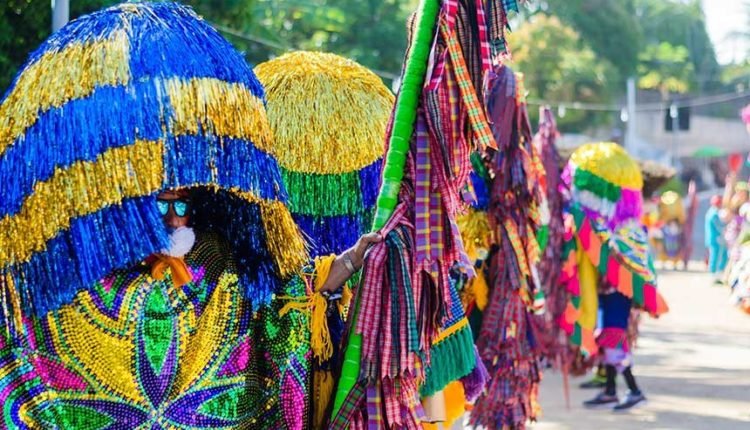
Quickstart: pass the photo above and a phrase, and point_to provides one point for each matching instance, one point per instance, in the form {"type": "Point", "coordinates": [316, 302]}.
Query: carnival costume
{"type": "Point", "coordinates": [107, 320]}
{"type": "Point", "coordinates": [607, 262]}
{"type": "Point", "coordinates": [406, 295]}
{"type": "Point", "coordinates": [329, 116]}
{"type": "Point", "coordinates": [515, 186]}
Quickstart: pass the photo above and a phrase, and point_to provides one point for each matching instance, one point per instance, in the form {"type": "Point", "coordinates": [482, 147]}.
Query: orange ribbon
{"type": "Point", "coordinates": [180, 273]}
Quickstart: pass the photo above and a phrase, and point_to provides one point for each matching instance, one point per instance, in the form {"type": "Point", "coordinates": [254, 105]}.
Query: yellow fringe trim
{"type": "Point", "coordinates": [212, 106]}
{"type": "Point", "coordinates": [610, 162]}
{"type": "Point", "coordinates": [450, 330]}
{"type": "Point", "coordinates": [81, 189]}
{"type": "Point", "coordinates": [42, 86]}
{"type": "Point", "coordinates": [328, 114]}
{"type": "Point", "coordinates": [283, 237]}
{"type": "Point", "coordinates": [315, 305]}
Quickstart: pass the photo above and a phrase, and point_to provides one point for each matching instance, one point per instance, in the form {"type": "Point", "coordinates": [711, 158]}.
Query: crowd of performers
{"type": "Point", "coordinates": [727, 239]}
{"type": "Point", "coordinates": [186, 242]}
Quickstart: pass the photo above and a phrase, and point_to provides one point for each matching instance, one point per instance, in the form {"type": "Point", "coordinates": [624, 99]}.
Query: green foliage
{"type": "Point", "coordinates": [372, 32]}
{"type": "Point", "coordinates": [666, 68]}
{"type": "Point", "coordinates": [681, 23]}
{"type": "Point", "coordinates": [558, 65]}
{"type": "Point", "coordinates": [24, 24]}
{"type": "Point", "coordinates": [609, 27]}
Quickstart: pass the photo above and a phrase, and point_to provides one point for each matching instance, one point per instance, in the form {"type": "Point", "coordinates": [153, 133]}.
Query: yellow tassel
{"type": "Point", "coordinates": [346, 300]}
{"type": "Point", "coordinates": [323, 389]}
{"type": "Point", "coordinates": [315, 305]}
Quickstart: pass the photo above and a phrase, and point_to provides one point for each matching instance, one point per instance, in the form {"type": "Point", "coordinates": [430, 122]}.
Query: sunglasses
{"type": "Point", "coordinates": [180, 206]}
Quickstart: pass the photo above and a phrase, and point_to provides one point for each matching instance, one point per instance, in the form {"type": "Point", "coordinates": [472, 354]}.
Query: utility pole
{"type": "Point", "coordinates": [630, 139]}
{"type": "Point", "coordinates": [60, 14]}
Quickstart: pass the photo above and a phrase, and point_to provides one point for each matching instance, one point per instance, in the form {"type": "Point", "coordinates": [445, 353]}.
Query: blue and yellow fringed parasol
{"type": "Point", "coordinates": [329, 117]}
{"type": "Point", "coordinates": [106, 113]}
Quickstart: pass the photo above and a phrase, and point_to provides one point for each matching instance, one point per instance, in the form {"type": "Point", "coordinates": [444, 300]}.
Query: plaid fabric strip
{"type": "Point", "coordinates": [374, 408]}
{"type": "Point", "coordinates": [422, 190]}
{"type": "Point", "coordinates": [350, 408]}
{"type": "Point", "coordinates": [371, 298]}
{"type": "Point", "coordinates": [475, 110]}
{"type": "Point", "coordinates": [484, 44]}
{"type": "Point", "coordinates": [518, 248]}
{"type": "Point", "coordinates": [437, 65]}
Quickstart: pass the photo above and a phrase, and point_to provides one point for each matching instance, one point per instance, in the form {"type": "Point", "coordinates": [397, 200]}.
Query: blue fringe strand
{"type": "Point", "coordinates": [115, 237]}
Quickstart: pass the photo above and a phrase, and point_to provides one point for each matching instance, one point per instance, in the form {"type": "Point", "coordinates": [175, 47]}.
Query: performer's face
{"type": "Point", "coordinates": [174, 206]}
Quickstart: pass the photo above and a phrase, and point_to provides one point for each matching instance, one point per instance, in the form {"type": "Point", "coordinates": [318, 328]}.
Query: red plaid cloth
{"type": "Point", "coordinates": [475, 110]}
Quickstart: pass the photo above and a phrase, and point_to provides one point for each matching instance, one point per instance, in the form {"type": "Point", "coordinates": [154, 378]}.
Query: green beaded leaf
{"type": "Point", "coordinates": [74, 416]}
{"type": "Point", "coordinates": [158, 329]}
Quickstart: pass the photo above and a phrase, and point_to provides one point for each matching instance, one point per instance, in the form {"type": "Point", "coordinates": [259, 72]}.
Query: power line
{"type": "Point", "coordinates": [647, 107]}
{"type": "Point", "coordinates": [282, 47]}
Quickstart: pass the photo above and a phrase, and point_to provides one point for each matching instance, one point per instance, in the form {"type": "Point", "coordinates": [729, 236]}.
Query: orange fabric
{"type": "Point", "coordinates": [180, 273]}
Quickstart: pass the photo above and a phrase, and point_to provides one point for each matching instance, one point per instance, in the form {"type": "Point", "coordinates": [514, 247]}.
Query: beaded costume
{"type": "Point", "coordinates": [98, 327]}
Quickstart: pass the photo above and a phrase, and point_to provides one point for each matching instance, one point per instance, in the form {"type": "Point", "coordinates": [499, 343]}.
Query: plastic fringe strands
{"type": "Point", "coordinates": [437, 121]}
{"type": "Point", "coordinates": [108, 112]}
{"type": "Point", "coordinates": [329, 117]}
{"type": "Point", "coordinates": [83, 153]}
{"type": "Point", "coordinates": [507, 342]}
{"type": "Point", "coordinates": [605, 241]}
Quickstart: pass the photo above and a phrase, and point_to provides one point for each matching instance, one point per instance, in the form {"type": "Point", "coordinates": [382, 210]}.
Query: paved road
{"type": "Point", "coordinates": [693, 364]}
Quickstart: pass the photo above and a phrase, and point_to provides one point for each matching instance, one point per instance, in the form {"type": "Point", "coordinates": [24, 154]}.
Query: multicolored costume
{"type": "Point", "coordinates": [329, 116]}
{"type": "Point", "coordinates": [673, 240]}
{"type": "Point", "coordinates": [506, 340]}
{"type": "Point", "coordinates": [607, 263]}
{"type": "Point", "coordinates": [406, 296]}
{"type": "Point", "coordinates": [99, 329]}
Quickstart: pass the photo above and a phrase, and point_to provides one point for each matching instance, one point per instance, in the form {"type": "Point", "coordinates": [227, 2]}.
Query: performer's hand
{"type": "Point", "coordinates": [349, 262]}
{"type": "Point", "coordinates": [357, 253]}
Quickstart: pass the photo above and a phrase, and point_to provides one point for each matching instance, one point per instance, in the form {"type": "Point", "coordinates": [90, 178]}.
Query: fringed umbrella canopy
{"type": "Point", "coordinates": [110, 110]}
{"type": "Point", "coordinates": [329, 116]}
{"type": "Point", "coordinates": [605, 180]}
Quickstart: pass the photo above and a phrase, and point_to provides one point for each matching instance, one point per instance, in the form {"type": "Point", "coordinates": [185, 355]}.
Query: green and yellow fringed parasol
{"type": "Point", "coordinates": [329, 116]}
{"type": "Point", "coordinates": [604, 238]}
{"type": "Point", "coordinates": [105, 114]}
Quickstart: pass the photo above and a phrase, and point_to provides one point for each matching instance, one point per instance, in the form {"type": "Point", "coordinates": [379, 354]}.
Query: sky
{"type": "Point", "coordinates": [723, 17]}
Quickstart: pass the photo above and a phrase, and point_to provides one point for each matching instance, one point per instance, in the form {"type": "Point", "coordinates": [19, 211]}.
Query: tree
{"type": "Point", "coordinates": [24, 24]}
{"type": "Point", "coordinates": [558, 65]}
{"type": "Point", "coordinates": [666, 68]}
{"type": "Point", "coordinates": [681, 23]}
{"type": "Point", "coordinates": [609, 27]}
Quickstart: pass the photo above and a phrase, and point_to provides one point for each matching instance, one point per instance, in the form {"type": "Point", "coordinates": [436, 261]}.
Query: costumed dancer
{"type": "Point", "coordinates": [506, 340]}
{"type": "Point", "coordinates": [329, 116]}
{"type": "Point", "coordinates": [147, 255]}
{"type": "Point", "coordinates": [607, 268]}
{"type": "Point", "coordinates": [406, 293]}
{"type": "Point", "coordinates": [676, 220]}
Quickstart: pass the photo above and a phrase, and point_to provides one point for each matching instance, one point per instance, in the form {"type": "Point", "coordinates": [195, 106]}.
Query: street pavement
{"type": "Point", "coordinates": [693, 365]}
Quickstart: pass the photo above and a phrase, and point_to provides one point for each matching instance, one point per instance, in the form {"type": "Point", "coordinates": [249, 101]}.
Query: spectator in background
{"type": "Point", "coordinates": [714, 239]}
